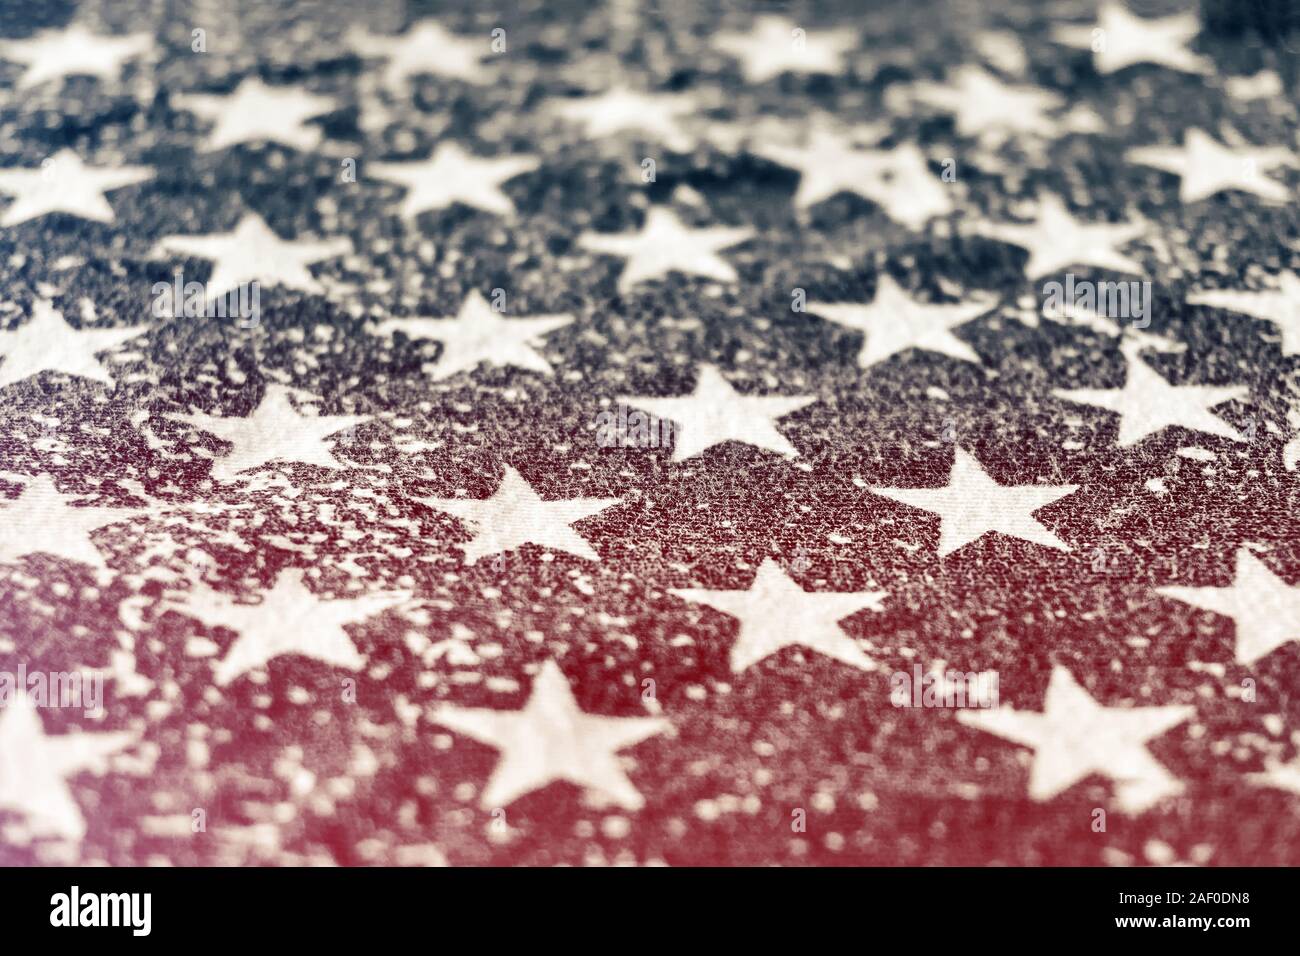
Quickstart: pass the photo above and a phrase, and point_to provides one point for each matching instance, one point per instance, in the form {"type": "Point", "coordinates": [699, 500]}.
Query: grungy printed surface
{"type": "Point", "coordinates": [669, 433]}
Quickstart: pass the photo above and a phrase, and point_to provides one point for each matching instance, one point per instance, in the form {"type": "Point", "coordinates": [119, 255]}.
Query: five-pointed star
{"type": "Point", "coordinates": [1206, 167]}
{"type": "Point", "coordinates": [776, 45]}
{"type": "Point", "coordinates": [255, 112]}
{"type": "Point", "coordinates": [552, 739]}
{"type": "Point", "coordinates": [1265, 608]}
{"type": "Point", "coordinates": [983, 103]}
{"type": "Point", "coordinates": [973, 504]}
{"type": "Point", "coordinates": [897, 179]}
{"type": "Point", "coordinates": [276, 431]}
{"type": "Point", "coordinates": [776, 612]}
{"type": "Point", "coordinates": [252, 252]}
{"type": "Point", "coordinates": [47, 343]}
{"type": "Point", "coordinates": [64, 183]}
{"type": "Point", "coordinates": [715, 412]}
{"type": "Point", "coordinates": [73, 51]}
{"type": "Point", "coordinates": [1075, 736]}
{"type": "Point", "coordinates": [1056, 239]}
{"type": "Point", "coordinates": [453, 175]}
{"type": "Point", "coordinates": [289, 619]}
{"type": "Point", "coordinates": [1280, 306]}
{"type": "Point", "coordinates": [35, 767]}
{"type": "Point", "coordinates": [478, 334]}
{"type": "Point", "coordinates": [44, 521]}
{"type": "Point", "coordinates": [622, 109]}
{"type": "Point", "coordinates": [516, 515]}
{"type": "Point", "coordinates": [1120, 39]}
{"type": "Point", "coordinates": [664, 244]}
{"type": "Point", "coordinates": [1147, 403]}
{"type": "Point", "coordinates": [425, 48]}
{"type": "Point", "coordinates": [894, 322]}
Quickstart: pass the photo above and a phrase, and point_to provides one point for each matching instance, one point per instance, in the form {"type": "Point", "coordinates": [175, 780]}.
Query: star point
{"type": "Point", "coordinates": [1280, 305]}
{"type": "Point", "coordinates": [1147, 403]}
{"type": "Point", "coordinates": [256, 112]}
{"type": "Point", "coordinates": [47, 343]}
{"type": "Point", "coordinates": [897, 179]}
{"type": "Point", "coordinates": [551, 739]}
{"type": "Point", "coordinates": [1074, 737]}
{"type": "Point", "coordinates": [65, 184]}
{"type": "Point", "coordinates": [1206, 167]}
{"type": "Point", "coordinates": [426, 47]}
{"type": "Point", "coordinates": [715, 412]}
{"type": "Point", "coordinates": [290, 619]}
{"type": "Point", "coordinates": [275, 431]}
{"type": "Point", "coordinates": [1056, 239]}
{"type": "Point", "coordinates": [1264, 608]}
{"type": "Point", "coordinates": [478, 335]}
{"type": "Point", "coordinates": [775, 613]}
{"type": "Point", "coordinates": [452, 175]}
{"type": "Point", "coordinates": [893, 322]}
{"type": "Point", "coordinates": [1121, 39]}
{"type": "Point", "coordinates": [666, 245]}
{"type": "Point", "coordinates": [972, 504]}
{"type": "Point", "coordinates": [983, 104]}
{"type": "Point", "coordinates": [35, 768]}
{"type": "Point", "coordinates": [43, 520]}
{"type": "Point", "coordinates": [516, 515]}
{"type": "Point", "coordinates": [252, 252]}
{"type": "Point", "coordinates": [73, 51]}
{"type": "Point", "coordinates": [775, 45]}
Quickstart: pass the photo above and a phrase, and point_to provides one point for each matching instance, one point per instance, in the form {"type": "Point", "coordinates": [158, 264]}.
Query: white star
{"type": "Point", "coordinates": [35, 767]}
{"type": "Point", "coordinates": [1121, 39]}
{"type": "Point", "coordinates": [1280, 306]}
{"type": "Point", "coordinates": [664, 244]}
{"type": "Point", "coordinates": [44, 521]}
{"type": "Point", "coordinates": [255, 112]}
{"type": "Point", "coordinates": [776, 45]}
{"type": "Point", "coordinates": [47, 343]}
{"type": "Point", "coordinates": [453, 175]}
{"type": "Point", "coordinates": [1282, 776]}
{"type": "Point", "coordinates": [254, 253]}
{"type": "Point", "coordinates": [425, 48]}
{"type": "Point", "coordinates": [1206, 167]}
{"type": "Point", "coordinates": [289, 619]}
{"type": "Point", "coordinates": [775, 612]}
{"type": "Point", "coordinates": [516, 515]}
{"type": "Point", "coordinates": [894, 322]}
{"type": "Point", "coordinates": [1265, 608]}
{"type": "Point", "coordinates": [621, 110]}
{"type": "Point", "coordinates": [1075, 736]}
{"type": "Point", "coordinates": [715, 413]}
{"type": "Point", "coordinates": [973, 504]}
{"type": "Point", "coordinates": [552, 739]}
{"type": "Point", "coordinates": [1147, 403]}
{"type": "Point", "coordinates": [73, 51]}
{"type": "Point", "coordinates": [1056, 239]}
{"type": "Point", "coordinates": [65, 184]}
{"type": "Point", "coordinates": [982, 104]}
{"type": "Point", "coordinates": [897, 179]}
{"type": "Point", "coordinates": [478, 334]}
{"type": "Point", "coordinates": [276, 431]}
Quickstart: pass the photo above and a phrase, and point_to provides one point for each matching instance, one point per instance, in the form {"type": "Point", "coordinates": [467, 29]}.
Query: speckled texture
{"type": "Point", "coordinates": [288, 769]}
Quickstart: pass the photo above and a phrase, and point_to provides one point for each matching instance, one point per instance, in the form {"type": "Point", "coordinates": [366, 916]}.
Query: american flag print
{"type": "Point", "coordinates": [649, 433]}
